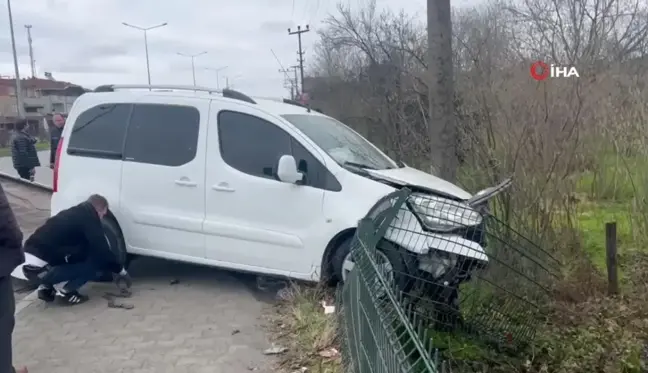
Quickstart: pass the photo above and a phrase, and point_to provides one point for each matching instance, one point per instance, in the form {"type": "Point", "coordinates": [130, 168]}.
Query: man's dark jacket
{"type": "Point", "coordinates": [23, 151]}
{"type": "Point", "coordinates": [55, 136]}
{"type": "Point", "coordinates": [11, 254]}
{"type": "Point", "coordinates": [71, 236]}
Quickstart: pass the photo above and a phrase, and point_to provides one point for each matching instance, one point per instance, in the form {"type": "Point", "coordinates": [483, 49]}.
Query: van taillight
{"type": "Point", "coordinates": [57, 162]}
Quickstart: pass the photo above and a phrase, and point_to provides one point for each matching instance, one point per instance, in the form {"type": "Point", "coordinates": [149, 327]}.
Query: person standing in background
{"type": "Point", "coordinates": [23, 151]}
{"type": "Point", "coordinates": [55, 136]}
{"type": "Point", "coordinates": [12, 255]}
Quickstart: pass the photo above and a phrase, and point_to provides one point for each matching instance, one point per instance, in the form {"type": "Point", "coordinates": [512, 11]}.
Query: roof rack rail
{"type": "Point", "coordinates": [113, 87]}
{"type": "Point", "coordinates": [228, 93]}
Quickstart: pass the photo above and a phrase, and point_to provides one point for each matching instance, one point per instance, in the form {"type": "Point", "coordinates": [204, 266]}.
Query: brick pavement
{"type": "Point", "coordinates": [210, 321]}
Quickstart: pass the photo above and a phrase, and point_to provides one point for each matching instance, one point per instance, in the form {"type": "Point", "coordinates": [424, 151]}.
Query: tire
{"type": "Point", "coordinates": [116, 241]}
{"type": "Point", "coordinates": [401, 263]}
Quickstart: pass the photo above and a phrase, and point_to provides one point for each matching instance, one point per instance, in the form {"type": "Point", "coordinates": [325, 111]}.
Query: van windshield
{"type": "Point", "coordinates": [340, 142]}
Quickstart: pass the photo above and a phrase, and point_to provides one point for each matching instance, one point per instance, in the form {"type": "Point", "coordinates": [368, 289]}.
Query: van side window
{"type": "Point", "coordinates": [99, 131]}
{"type": "Point", "coordinates": [165, 135]}
{"type": "Point", "coordinates": [253, 145]}
{"type": "Point", "coordinates": [316, 175]}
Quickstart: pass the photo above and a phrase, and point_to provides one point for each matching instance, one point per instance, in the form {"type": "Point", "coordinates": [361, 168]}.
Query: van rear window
{"type": "Point", "coordinates": [100, 131]}
{"type": "Point", "coordinates": [160, 134]}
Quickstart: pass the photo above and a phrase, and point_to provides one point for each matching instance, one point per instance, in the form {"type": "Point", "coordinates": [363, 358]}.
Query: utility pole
{"type": "Point", "coordinates": [31, 51]}
{"type": "Point", "coordinates": [145, 30]}
{"type": "Point", "coordinates": [19, 97]}
{"type": "Point", "coordinates": [441, 121]}
{"type": "Point", "coordinates": [294, 69]}
{"type": "Point", "coordinates": [289, 82]}
{"type": "Point", "coordinates": [300, 52]}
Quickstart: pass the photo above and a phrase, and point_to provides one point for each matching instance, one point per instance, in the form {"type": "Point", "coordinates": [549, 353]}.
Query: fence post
{"type": "Point", "coordinates": [611, 257]}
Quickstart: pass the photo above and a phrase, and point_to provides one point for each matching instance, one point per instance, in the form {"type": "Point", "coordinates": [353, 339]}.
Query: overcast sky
{"type": "Point", "coordinates": [84, 41]}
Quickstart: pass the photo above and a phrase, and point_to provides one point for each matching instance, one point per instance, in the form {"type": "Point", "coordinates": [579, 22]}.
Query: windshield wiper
{"type": "Point", "coordinates": [360, 165]}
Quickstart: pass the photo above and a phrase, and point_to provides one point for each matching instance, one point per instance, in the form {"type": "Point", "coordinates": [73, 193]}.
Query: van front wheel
{"type": "Point", "coordinates": [393, 263]}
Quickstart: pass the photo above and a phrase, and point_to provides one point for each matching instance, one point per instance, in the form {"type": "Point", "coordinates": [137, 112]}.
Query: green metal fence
{"type": "Point", "coordinates": [396, 320]}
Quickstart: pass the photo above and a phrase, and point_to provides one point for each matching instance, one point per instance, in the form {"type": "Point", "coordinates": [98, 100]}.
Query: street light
{"type": "Point", "coordinates": [227, 80]}
{"type": "Point", "coordinates": [20, 109]}
{"type": "Point", "coordinates": [193, 66]}
{"type": "Point", "coordinates": [217, 71]}
{"type": "Point", "coordinates": [145, 29]}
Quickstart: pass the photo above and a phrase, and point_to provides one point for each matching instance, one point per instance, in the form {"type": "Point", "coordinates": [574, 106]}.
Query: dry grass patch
{"type": "Point", "coordinates": [299, 323]}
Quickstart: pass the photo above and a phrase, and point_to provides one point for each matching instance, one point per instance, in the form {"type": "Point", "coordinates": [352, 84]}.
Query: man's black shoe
{"type": "Point", "coordinates": [46, 294]}
{"type": "Point", "coordinates": [71, 297]}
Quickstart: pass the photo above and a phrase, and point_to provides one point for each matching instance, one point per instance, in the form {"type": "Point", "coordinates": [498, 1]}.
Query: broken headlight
{"type": "Point", "coordinates": [443, 215]}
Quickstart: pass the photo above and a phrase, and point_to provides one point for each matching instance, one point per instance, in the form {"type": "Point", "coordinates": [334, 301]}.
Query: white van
{"type": "Point", "coordinates": [218, 178]}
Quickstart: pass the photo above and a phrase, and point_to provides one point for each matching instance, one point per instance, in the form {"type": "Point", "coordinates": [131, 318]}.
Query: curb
{"type": "Point", "coordinates": [32, 184]}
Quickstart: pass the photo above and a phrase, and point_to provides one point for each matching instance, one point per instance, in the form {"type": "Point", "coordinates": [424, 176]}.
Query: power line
{"type": "Point", "coordinates": [300, 52]}
{"type": "Point", "coordinates": [286, 76]}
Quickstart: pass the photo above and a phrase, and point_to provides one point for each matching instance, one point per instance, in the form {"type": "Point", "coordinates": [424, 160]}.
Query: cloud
{"type": "Point", "coordinates": [84, 41]}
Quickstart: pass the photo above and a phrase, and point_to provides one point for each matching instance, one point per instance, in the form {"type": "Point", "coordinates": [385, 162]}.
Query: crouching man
{"type": "Point", "coordinates": [71, 247]}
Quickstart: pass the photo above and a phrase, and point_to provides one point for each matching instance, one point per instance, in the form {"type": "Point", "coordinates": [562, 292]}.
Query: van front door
{"type": "Point", "coordinates": [253, 221]}
{"type": "Point", "coordinates": [163, 178]}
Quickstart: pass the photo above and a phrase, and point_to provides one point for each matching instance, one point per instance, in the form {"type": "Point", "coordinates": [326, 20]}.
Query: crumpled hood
{"type": "Point", "coordinates": [412, 176]}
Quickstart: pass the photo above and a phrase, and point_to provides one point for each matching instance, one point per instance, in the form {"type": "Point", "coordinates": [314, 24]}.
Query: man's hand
{"type": "Point", "coordinates": [123, 280]}
{"type": "Point", "coordinates": [52, 166]}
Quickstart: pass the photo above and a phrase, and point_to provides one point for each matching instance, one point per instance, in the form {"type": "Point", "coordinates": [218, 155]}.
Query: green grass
{"type": "Point", "coordinates": [6, 152]}
{"type": "Point", "coordinates": [611, 194]}
{"type": "Point", "coordinates": [592, 218]}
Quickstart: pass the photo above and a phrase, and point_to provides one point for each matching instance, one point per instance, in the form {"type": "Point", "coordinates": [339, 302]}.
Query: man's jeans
{"type": "Point", "coordinates": [76, 275]}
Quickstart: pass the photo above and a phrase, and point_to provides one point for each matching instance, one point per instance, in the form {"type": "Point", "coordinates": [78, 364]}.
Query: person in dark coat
{"type": "Point", "coordinates": [11, 256]}
{"type": "Point", "coordinates": [71, 247]}
{"type": "Point", "coordinates": [23, 152]}
{"type": "Point", "coordinates": [55, 136]}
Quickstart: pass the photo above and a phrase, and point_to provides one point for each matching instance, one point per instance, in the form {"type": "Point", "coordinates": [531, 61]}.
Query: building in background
{"type": "Point", "coordinates": [41, 99]}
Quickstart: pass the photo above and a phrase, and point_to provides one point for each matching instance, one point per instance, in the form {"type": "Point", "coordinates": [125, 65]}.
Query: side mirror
{"type": "Point", "coordinates": [287, 170]}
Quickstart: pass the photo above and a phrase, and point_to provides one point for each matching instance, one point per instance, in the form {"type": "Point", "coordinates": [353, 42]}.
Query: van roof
{"type": "Point", "coordinates": [279, 106]}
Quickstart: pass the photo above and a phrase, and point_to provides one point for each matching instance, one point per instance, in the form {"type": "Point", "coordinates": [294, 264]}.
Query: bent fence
{"type": "Point", "coordinates": [473, 297]}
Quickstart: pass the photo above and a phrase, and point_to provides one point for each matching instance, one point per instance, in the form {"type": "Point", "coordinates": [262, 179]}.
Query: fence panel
{"type": "Point", "coordinates": [430, 274]}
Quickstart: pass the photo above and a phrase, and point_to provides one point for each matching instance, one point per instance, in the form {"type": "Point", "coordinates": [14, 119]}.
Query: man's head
{"type": "Point", "coordinates": [100, 204]}
{"type": "Point", "coordinates": [21, 124]}
{"type": "Point", "coordinates": [58, 120]}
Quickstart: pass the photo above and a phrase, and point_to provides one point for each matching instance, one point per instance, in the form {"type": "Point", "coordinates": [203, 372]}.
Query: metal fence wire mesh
{"type": "Point", "coordinates": [439, 286]}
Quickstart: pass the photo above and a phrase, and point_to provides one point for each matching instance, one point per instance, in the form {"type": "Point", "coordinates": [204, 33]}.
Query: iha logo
{"type": "Point", "coordinates": [541, 71]}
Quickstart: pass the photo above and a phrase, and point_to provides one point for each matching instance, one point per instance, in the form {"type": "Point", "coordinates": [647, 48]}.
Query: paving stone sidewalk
{"type": "Point", "coordinates": [209, 321]}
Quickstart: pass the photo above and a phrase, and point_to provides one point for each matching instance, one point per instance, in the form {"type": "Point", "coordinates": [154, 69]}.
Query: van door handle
{"type": "Point", "coordinates": [186, 183]}
{"type": "Point", "coordinates": [222, 187]}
